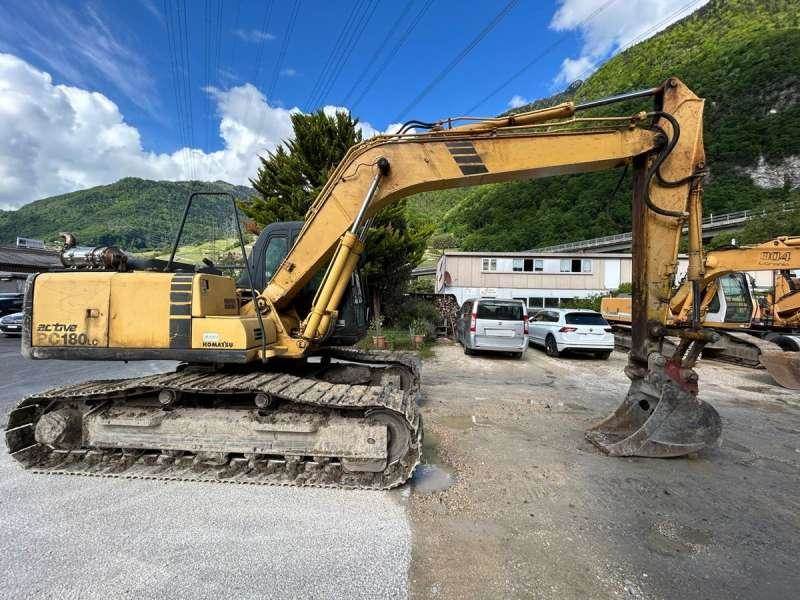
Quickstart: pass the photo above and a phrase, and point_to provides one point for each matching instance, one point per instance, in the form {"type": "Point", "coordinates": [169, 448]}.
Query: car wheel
{"type": "Point", "coordinates": [550, 347]}
{"type": "Point", "coordinates": [603, 355]}
{"type": "Point", "coordinates": [467, 351]}
{"type": "Point", "coordinates": [518, 355]}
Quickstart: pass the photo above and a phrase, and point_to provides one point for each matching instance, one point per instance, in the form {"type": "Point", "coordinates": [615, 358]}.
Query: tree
{"type": "Point", "coordinates": [442, 242]}
{"type": "Point", "coordinates": [290, 178]}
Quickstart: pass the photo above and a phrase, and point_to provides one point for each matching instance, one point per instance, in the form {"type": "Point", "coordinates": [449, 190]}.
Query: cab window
{"type": "Point", "coordinates": [277, 248]}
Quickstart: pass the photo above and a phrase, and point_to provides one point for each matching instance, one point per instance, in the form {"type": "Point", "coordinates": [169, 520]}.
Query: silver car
{"type": "Point", "coordinates": [493, 324]}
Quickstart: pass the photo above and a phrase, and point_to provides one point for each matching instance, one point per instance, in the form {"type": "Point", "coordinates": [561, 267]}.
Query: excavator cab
{"type": "Point", "coordinates": [734, 301]}
{"type": "Point", "coordinates": [271, 247]}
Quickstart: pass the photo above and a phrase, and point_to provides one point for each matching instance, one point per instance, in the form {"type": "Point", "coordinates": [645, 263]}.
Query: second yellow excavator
{"type": "Point", "coordinates": [262, 397]}
{"type": "Point", "coordinates": [729, 307]}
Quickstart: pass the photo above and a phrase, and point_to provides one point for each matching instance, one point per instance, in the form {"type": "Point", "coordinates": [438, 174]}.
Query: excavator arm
{"type": "Point", "coordinates": [661, 415]}
{"type": "Point", "coordinates": [665, 148]}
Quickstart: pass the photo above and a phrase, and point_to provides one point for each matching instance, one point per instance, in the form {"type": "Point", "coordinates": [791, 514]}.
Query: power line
{"type": "Point", "coordinates": [279, 61]}
{"type": "Point", "coordinates": [180, 82]}
{"type": "Point", "coordinates": [647, 33]}
{"type": "Point", "coordinates": [185, 47]}
{"type": "Point", "coordinates": [355, 13]}
{"type": "Point", "coordinates": [538, 57]}
{"type": "Point", "coordinates": [355, 37]}
{"type": "Point", "coordinates": [284, 46]}
{"type": "Point", "coordinates": [393, 52]}
{"type": "Point", "coordinates": [259, 54]}
{"type": "Point", "coordinates": [383, 43]}
{"type": "Point", "coordinates": [174, 72]}
{"type": "Point", "coordinates": [458, 58]}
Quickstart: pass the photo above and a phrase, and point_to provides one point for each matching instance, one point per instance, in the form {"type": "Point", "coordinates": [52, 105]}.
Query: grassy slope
{"type": "Point", "coordinates": [741, 55]}
{"type": "Point", "coordinates": [133, 213]}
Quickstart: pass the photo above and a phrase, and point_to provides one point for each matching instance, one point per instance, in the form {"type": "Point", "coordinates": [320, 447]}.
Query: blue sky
{"type": "Point", "coordinates": [230, 60]}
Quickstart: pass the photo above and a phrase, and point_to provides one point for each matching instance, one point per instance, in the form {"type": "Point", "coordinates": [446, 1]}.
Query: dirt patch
{"type": "Point", "coordinates": [535, 511]}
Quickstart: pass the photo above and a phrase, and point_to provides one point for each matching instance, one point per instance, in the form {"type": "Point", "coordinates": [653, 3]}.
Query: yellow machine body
{"type": "Point", "coordinates": [107, 313]}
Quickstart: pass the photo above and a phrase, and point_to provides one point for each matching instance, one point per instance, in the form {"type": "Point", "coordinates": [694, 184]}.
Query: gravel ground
{"type": "Point", "coordinates": [511, 503]}
{"type": "Point", "coordinates": [535, 511]}
{"type": "Point", "coordinates": [80, 537]}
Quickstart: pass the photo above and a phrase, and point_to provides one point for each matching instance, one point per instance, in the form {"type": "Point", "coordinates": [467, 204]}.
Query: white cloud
{"type": "Point", "coordinates": [606, 30]}
{"type": "Point", "coordinates": [367, 130]}
{"type": "Point", "coordinates": [517, 101]}
{"type": "Point", "coordinates": [79, 45]}
{"type": "Point", "coordinates": [253, 36]}
{"type": "Point", "coordinates": [59, 138]}
{"type": "Point", "coordinates": [289, 72]}
{"type": "Point", "coordinates": [573, 69]}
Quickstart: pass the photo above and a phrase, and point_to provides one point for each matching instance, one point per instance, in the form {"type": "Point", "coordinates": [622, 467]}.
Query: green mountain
{"type": "Point", "coordinates": [135, 214]}
{"type": "Point", "coordinates": [742, 56]}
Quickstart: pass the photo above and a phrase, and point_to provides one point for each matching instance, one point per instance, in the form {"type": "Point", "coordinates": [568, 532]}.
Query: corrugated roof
{"type": "Point", "coordinates": [11, 255]}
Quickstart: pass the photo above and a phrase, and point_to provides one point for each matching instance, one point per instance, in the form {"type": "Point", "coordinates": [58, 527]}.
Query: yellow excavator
{"type": "Point", "coordinates": [782, 306]}
{"type": "Point", "coordinates": [263, 397]}
{"type": "Point", "coordinates": [728, 306]}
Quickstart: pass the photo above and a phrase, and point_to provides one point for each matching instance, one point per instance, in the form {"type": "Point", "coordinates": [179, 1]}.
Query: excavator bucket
{"type": "Point", "coordinates": [783, 366]}
{"type": "Point", "coordinates": [661, 416]}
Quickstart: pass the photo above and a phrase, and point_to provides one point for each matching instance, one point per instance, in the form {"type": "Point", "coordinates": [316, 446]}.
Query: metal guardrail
{"type": "Point", "coordinates": [709, 222]}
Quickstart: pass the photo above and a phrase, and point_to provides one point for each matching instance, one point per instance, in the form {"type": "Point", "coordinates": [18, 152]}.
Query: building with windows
{"type": "Point", "coordinates": [542, 280]}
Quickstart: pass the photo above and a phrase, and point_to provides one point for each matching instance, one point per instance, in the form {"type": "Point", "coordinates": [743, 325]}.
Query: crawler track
{"type": "Point", "coordinates": [360, 389]}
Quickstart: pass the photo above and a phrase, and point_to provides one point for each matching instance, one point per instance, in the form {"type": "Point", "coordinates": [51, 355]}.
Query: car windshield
{"type": "Point", "coordinates": [502, 311]}
{"type": "Point", "coordinates": [584, 318]}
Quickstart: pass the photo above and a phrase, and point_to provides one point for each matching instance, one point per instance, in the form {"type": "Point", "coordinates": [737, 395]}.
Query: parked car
{"type": "Point", "coordinates": [493, 324]}
{"type": "Point", "coordinates": [567, 329]}
{"type": "Point", "coordinates": [11, 325]}
{"type": "Point", "coordinates": [10, 302]}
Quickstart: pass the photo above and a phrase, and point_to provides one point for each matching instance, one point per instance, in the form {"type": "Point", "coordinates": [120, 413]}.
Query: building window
{"type": "Point", "coordinates": [537, 302]}
{"type": "Point", "coordinates": [538, 265]}
{"type": "Point", "coordinates": [517, 264]}
{"type": "Point", "coordinates": [551, 302]}
{"type": "Point", "coordinates": [489, 264]}
{"type": "Point", "coordinates": [576, 265]}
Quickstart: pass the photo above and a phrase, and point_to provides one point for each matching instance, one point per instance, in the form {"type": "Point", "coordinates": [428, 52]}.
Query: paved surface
{"type": "Point", "coordinates": [80, 537]}
{"type": "Point", "coordinates": [536, 511]}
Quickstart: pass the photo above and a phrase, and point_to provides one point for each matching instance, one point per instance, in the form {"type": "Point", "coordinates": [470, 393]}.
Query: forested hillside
{"type": "Point", "coordinates": [741, 55]}
{"type": "Point", "coordinates": [133, 213]}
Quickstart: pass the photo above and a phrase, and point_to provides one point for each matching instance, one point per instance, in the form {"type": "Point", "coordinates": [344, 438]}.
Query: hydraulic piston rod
{"type": "Point", "coordinates": [344, 261]}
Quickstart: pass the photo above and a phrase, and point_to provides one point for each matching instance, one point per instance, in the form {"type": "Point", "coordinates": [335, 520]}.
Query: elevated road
{"type": "Point", "coordinates": [712, 225]}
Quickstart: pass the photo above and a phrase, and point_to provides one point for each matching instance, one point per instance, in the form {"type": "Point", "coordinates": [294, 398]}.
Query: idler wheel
{"type": "Point", "coordinates": [59, 429]}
